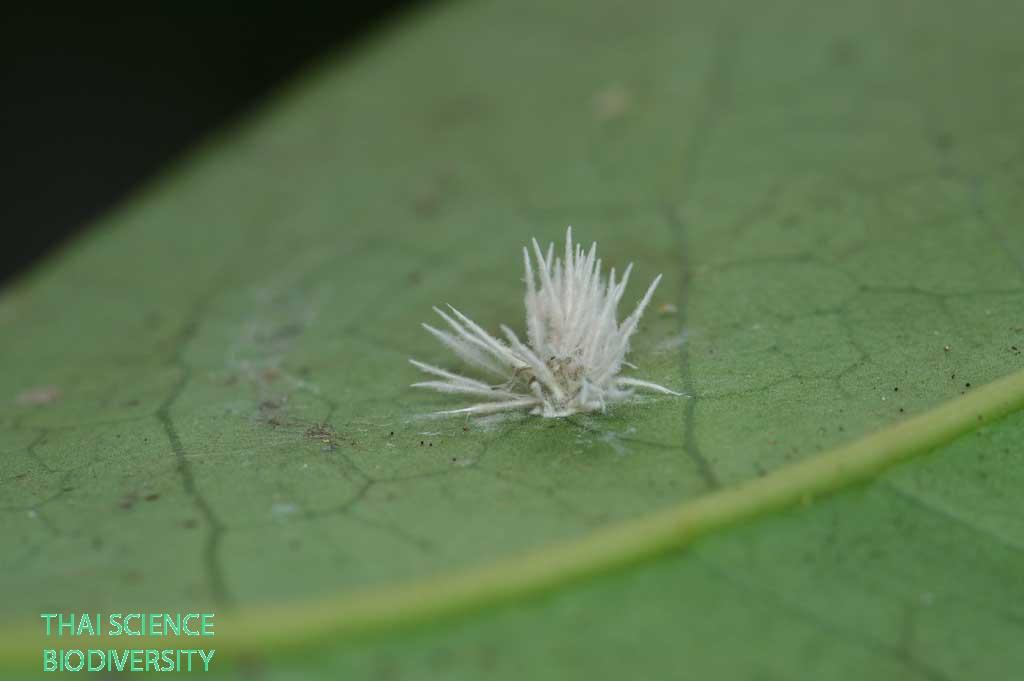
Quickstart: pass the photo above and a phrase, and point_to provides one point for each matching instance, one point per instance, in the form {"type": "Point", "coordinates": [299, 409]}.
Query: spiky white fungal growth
{"type": "Point", "coordinates": [576, 347]}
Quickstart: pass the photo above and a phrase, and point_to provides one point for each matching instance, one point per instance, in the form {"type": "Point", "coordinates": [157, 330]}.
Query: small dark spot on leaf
{"type": "Point", "coordinates": [458, 110]}
{"type": "Point", "coordinates": [844, 53]}
{"type": "Point", "coordinates": [284, 332]}
{"type": "Point", "coordinates": [251, 666]}
{"type": "Point", "coordinates": [152, 497]}
{"type": "Point", "coordinates": [895, 390]}
{"type": "Point", "coordinates": [427, 203]}
{"type": "Point", "coordinates": [67, 489]}
{"type": "Point", "coordinates": [943, 141]}
{"type": "Point", "coordinates": [967, 385]}
{"type": "Point", "coordinates": [421, 443]}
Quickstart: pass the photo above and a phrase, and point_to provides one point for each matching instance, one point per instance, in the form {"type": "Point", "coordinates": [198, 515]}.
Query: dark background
{"type": "Point", "coordinates": [94, 101]}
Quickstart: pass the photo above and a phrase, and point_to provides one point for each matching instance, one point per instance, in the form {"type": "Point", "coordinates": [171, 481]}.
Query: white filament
{"type": "Point", "coordinates": [575, 346]}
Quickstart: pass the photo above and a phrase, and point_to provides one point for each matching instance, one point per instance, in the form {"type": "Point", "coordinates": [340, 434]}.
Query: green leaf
{"type": "Point", "coordinates": [205, 402]}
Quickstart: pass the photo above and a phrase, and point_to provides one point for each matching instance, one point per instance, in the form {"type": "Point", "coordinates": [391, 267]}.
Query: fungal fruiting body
{"type": "Point", "coordinates": [575, 350]}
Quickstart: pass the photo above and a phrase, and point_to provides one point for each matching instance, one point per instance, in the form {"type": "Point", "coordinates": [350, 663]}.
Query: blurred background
{"type": "Point", "coordinates": [96, 100]}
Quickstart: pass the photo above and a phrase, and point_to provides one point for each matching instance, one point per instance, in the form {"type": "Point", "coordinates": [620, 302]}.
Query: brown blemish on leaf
{"type": "Point", "coordinates": [844, 52]}
{"type": "Point", "coordinates": [612, 103]}
{"type": "Point", "coordinates": [270, 412]}
{"type": "Point", "coordinates": [458, 111]}
{"type": "Point", "coordinates": [324, 432]}
{"type": "Point", "coordinates": [46, 394]}
{"type": "Point", "coordinates": [426, 204]}
{"type": "Point", "coordinates": [430, 197]}
{"type": "Point", "coordinates": [133, 577]}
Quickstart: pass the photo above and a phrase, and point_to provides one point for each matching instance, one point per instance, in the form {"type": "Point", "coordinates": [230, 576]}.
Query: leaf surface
{"type": "Point", "coordinates": [205, 401]}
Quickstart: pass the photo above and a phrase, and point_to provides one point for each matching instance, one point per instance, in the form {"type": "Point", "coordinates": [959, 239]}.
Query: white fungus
{"type": "Point", "coordinates": [576, 348]}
